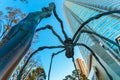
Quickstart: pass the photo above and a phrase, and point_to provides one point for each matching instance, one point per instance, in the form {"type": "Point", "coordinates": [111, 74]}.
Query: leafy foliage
{"type": "Point", "coordinates": [74, 76]}
{"type": "Point", "coordinates": [71, 77]}
{"type": "Point", "coordinates": [32, 71]}
{"type": "Point", "coordinates": [30, 66]}
{"type": "Point", "coordinates": [12, 17]}
{"type": "Point", "coordinates": [36, 73]}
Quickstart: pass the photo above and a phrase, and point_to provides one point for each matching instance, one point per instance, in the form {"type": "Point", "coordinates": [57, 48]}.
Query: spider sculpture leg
{"type": "Point", "coordinates": [44, 47]}
{"type": "Point", "coordinates": [102, 37]}
{"type": "Point", "coordinates": [39, 49]}
{"type": "Point", "coordinates": [49, 47]}
{"type": "Point", "coordinates": [92, 18]}
{"type": "Point", "coordinates": [96, 34]}
{"type": "Point", "coordinates": [80, 44]}
{"type": "Point", "coordinates": [61, 23]}
{"type": "Point", "coordinates": [78, 33]}
{"type": "Point", "coordinates": [68, 43]}
{"type": "Point", "coordinates": [53, 31]}
{"type": "Point", "coordinates": [54, 54]}
{"type": "Point", "coordinates": [69, 50]}
{"type": "Point", "coordinates": [73, 60]}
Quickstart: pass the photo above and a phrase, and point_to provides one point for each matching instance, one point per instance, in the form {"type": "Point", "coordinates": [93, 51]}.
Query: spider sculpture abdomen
{"type": "Point", "coordinates": [69, 52]}
{"type": "Point", "coordinates": [69, 48]}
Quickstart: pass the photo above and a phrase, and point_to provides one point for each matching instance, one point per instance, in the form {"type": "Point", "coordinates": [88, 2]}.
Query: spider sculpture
{"type": "Point", "coordinates": [69, 43]}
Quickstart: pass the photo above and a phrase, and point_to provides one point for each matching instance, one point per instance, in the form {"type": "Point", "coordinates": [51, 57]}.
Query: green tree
{"type": "Point", "coordinates": [74, 76]}
{"type": "Point", "coordinates": [83, 77]}
{"type": "Point", "coordinates": [37, 73]}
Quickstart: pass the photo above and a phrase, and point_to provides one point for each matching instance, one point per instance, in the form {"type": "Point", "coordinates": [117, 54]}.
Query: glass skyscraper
{"type": "Point", "coordinates": [78, 11]}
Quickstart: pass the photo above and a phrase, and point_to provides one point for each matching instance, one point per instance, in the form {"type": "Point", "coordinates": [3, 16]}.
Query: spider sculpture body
{"type": "Point", "coordinates": [69, 43]}
{"type": "Point", "coordinates": [69, 48]}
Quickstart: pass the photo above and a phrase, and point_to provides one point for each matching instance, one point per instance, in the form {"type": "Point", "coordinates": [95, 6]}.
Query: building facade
{"type": "Point", "coordinates": [77, 12]}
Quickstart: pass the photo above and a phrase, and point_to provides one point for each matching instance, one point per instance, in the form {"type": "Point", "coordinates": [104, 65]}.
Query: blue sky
{"type": "Point", "coordinates": [61, 65]}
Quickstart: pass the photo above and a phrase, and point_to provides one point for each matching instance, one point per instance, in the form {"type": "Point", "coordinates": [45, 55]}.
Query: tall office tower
{"type": "Point", "coordinates": [81, 66]}
{"type": "Point", "coordinates": [78, 11]}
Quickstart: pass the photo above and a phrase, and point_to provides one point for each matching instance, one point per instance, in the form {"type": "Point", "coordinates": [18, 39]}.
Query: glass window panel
{"type": "Point", "coordinates": [107, 20]}
{"type": "Point", "coordinates": [113, 23]}
{"type": "Point", "coordinates": [104, 21]}
{"type": "Point", "coordinates": [116, 27]}
{"type": "Point", "coordinates": [108, 33]}
{"type": "Point", "coordinates": [94, 24]}
{"type": "Point", "coordinates": [114, 36]}
{"type": "Point", "coordinates": [108, 24]}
